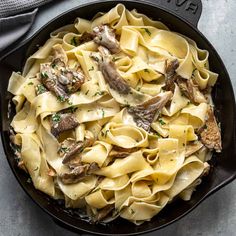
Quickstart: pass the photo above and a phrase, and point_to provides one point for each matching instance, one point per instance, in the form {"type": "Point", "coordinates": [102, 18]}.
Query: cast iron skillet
{"type": "Point", "coordinates": [181, 16]}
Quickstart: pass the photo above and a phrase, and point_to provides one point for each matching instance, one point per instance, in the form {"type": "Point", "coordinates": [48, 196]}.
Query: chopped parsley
{"type": "Point", "coordinates": [114, 59]}
{"type": "Point", "coordinates": [56, 118]}
{"type": "Point", "coordinates": [72, 109]}
{"type": "Point", "coordinates": [162, 122]}
{"type": "Point", "coordinates": [92, 68]}
{"type": "Point", "coordinates": [36, 168]}
{"type": "Point", "coordinates": [53, 65]}
{"type": "Point", "coordinates": [193, 72]}
{"type": "Point", "coordinates": [44, 75]}
{"type": "Point", "coordinates": [99, 93]}
{"type": "Point", "coordinates": [89, 110]}
{"type": "Point", "coordinates": [103, 113]}
{"type": "Point", "coordinates": [64, 149]}
{"type": "Point", "coordinates": [30, 83]}
{"type": "Point", "coordinates": [61, 98]}
{"type": "Point", "coordinates": [147, 31]}
{"type": "Point", "coordinates": [69, 102]}
{"type": "Point", "coordinates": [146, 70]}
{"type": "Point", "coordinates": [86, 92]}
{"type": "Point", "coordinates": [132, 211]}
{"type": "Point", "coordinates": [104, 133]}
{"type": "Point", "coordinates": [40, 89]}
{"type": "Point", "coordinates": [73, 41]}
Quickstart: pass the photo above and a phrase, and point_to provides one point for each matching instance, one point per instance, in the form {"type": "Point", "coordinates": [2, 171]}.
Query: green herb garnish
{"type": "Point", "coordinates": [61, 98]}
{"type": "Point", "coordinates": [114, 59]}
{"type": "Point", "coordinates": [64, 149]}
{"type": "Point", "coordinates": [162, 122]}
{"type": "Point", "coordinates": [72, 109]}
{"type": "Point", "coordinates": [40, 89]}
{"type": "Point", "coordinates": [147, 31]}
{"type": "Point", "coordinates": [146, 70]}
{"type": "Point", "coordinates": [56, 118]}
{"type": "Point", "coordinates": [30, 83]}
{"type": "Point", "coordinates": [92, 68]}
{"type": "Point", "coordinates": [103, 113]}
{"type": "Point", "coordinates": [36, 168]}
{"type": "Point", "coordinates": [132, 211]}
{"type": "Point", "coordinates": [69, 102]}
{"type": "Point", "coordinates": [73, 41]}
{"type": "Point", "coordinates": [104, 133]}
{"type": "Point", "coordinates": [44, 75]}
{"type": "Point", "coordinates": [99, 93]}
{"type": "Point", "coordinates": [86, 92]}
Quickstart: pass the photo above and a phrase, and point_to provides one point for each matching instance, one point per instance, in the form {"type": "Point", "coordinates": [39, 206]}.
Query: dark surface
{"type": "Point", "coordinates": [224, 168]}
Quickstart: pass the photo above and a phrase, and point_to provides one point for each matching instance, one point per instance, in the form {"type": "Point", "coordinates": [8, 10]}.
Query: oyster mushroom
{"type": "Point", "coordinates": [78, 173]}
{"type": "Point", "coordinates": [106, 37]}
{"type": "Point", "coordinates": [210, 136]}
{"type": "Point", "coordinates": [104, 212]}
{"type": "Point", "coordinates": [62, 122]}
{"type": "Point", "coordinates": [110, 73]}
{"type": "Point", "coordinates": [145, 113]}
{"type": "Point", "coordinates": [119, 152]}
{"type": "Point", "coordinates": [190, 90]}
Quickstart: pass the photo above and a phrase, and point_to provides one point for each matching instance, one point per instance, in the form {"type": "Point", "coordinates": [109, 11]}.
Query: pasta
{"type": "Point", "coordinates": [115, 115]}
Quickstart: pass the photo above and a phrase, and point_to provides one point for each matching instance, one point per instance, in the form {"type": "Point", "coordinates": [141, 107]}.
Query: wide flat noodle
{"type": "Point", "coordinates": [119, 167]}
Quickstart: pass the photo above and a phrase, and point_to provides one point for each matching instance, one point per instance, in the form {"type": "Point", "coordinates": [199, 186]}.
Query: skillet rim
{"type": "Point", "coordinates": [143, 3]}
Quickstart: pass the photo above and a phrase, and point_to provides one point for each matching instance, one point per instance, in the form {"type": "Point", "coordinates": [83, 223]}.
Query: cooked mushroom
{"type": "Point", "coordinates": [69, 147]}
{"type": "Point", "coordinates": [211, 136]}
{"type": "Point", "coordinates": [106, 37]}
{"type": "Point", "coordinates": [70, 79]}
{"type": "Point", "coordinates": [49, 80]}
{"type": "Point", "coordinates": [72, 150]}
{"type": "Point", "coordinates": [62, 122]}
{"type": "Point", "coordinates": [119, 152]}
{"type": "Point", "coordinates": [59, 79]}
{"type": "Point", "coordinates": [108, 69]}
{"type": "Point", "coordinates": [145, 113]}
{"type": "Point", "coordinates": [171, 75]}
{"type": "Point", "coordinates": [78, 173]}
{"type": "Point", "coordinates": [104, 212]}
{"type": "Point", "coordinates": [192, 148]}
{"type": "Point", "coordinates": [190, 90]}
{"type": "Point", "coordinates": [85, 37]}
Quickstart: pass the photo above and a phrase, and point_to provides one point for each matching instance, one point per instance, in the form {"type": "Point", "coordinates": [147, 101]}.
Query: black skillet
{"type": "Point", "coordinates": [181, 16]}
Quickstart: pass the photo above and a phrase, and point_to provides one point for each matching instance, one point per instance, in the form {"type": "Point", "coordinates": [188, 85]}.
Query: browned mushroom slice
{"type": "Point", "coordinates": [69, 147]}
{"type": "Point", "coordinates": [75, 148]}
{"type": "Point", "coordinates": [192, 148]}
{"type": "Point", "coordinates": [63, 122]}
{"type": "Point", "coordinates": [49, 80]}
{"type": "Point", "coordinates": [211, 136]}
{"type": "Point", "coordinates": [104, 212]}
{"type": "Point", "coordinates": [119, 152]}
{"type": "Point", "coordinates": [145, 113]}
{"type": "Point", "coordinates": [111, 75]}
{"type": "Point", "coordinates": [106, 37]}
{"type": "Point", "coordinates": [85, 37]}
{"type": "Point", "coordinates": [190, 90]}
{"type": "Point", "coordinates": [78, 173]}
{"type": "Point", "coordinates": [70, 80]}
{"type": "Point", "coordinates": [171, 75]}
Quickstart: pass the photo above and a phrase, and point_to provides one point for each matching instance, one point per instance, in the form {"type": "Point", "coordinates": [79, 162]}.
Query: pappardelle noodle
{"type": "Point", "coordinates": [115, 116]}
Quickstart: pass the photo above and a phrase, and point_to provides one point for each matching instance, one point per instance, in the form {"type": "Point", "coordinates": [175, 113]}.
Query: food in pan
{"type": "Point", "coordinates": [115, 116]}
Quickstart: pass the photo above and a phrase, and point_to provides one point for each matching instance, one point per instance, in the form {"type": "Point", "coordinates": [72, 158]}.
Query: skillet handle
{"type": "Point", "coordinates": [189, 10]}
